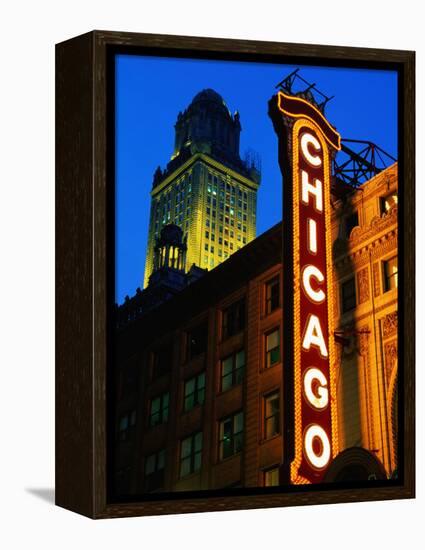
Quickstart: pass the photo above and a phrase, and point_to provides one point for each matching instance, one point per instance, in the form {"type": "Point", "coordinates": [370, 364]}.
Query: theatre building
{"type": "Point", "coordinates": [199, 397]}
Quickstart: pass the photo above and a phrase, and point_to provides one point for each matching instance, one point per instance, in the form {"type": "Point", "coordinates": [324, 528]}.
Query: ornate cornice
{"type": "Point", "coordinates": [380, 229]}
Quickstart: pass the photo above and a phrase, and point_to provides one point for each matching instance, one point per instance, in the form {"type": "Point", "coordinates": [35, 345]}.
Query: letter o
{"type": "Point", "coordinates": [318, 461]}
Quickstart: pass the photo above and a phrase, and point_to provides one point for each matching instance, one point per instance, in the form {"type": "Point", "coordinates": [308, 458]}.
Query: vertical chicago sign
{"type": "Point", "coordinates": [306, 143]}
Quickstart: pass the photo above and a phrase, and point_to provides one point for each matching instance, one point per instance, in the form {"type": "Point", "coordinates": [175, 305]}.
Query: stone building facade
{"type": "Point", "coordinates": [366, 274]}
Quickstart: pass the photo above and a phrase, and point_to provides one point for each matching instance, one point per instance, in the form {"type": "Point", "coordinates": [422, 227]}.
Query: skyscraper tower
{"type": "Point", "coordinates": [206, 189]}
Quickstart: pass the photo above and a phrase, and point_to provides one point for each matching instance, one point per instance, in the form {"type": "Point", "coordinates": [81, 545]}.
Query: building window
{"type": "Point", "coordinates": [159, 409]}
{"type": "Point", "coordinates": [162, 361]}
{"type": "Point", "coordinates": [234, 319]}
{"type": "Point", "coordinates": [386, 203]}
{"type": "Point", "coordinates": [271, 477]}
{"type": "Point", "coordinates": [231, 435]}
{"type": "Point", "coordinates": [194, 391]}
{"type": "Point", "coordinates": [390, 270]}
{"type": "Point", "coordinates": [348, 295]}
{"type": "Point", "coordinates": [126, 425]}
{"type": "Point", "coordinates": [197, 340]}
{"type": "Point", "coordinates": [232, 370]}
{"type": "Point", "coordinates": [351, 221]}
{"type": "Point", "coordinates": [272, 348]}
{"type": "Point", "coordinates": [271, 415]}
{"type": "Point", "coordinates": [154, 471]}
{"type": "Point", "coordinates": [191, 454]}
{"type": "Point", "coordinates": [272, 295]}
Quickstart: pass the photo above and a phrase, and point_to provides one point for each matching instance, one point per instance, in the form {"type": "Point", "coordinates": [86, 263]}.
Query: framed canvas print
{"type": "Point", "coordinates": [235, 274]}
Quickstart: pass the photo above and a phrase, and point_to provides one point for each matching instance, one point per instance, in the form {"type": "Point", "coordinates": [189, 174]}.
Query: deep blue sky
{"type": "Point", "coordinates": [151, 91]}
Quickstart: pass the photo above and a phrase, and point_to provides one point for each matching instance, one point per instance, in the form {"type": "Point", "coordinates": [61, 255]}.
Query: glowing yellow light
{"type": "Point", "coordinates": [314, 336]}
{"type": "Point", "coordinates": [312, 236]}
{"type": "Point", "coordinates": [306, 140]}
{"type": "Point", "coordinates": [315, 189]}
{"type": "Point", "coordinates": [301, 125]}
{"type": "Point", "coordinates": [321, 400]}
{"type": "Point", "coordinates": [320, 460]}
{"type": "Point", "coordinates": [308, 118]}
{"type": "Point", "coordinates": [313, 272]}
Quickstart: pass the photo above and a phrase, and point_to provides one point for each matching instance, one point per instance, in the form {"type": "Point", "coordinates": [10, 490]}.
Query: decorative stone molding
{"type": "Point", "coordinates": [376, 279]}
{"type": "Point", "coordinates": [390, 359]}
{"type": "Point", "coordinates": [363, 285]}
{"type": "Point", "coordinates": [390, 324]}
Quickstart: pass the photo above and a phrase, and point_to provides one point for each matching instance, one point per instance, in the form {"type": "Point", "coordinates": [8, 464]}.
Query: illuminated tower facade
{"type": "Point", "coordinates": [206, 189]}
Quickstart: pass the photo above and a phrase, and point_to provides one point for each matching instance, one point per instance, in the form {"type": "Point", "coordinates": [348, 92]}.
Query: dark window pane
{"type": "Point", "coordinates": [391, 274]}
{"type": "Point", "coordinates": [194, 391]}
{"type": "Point", "coordinates": [197, 340]}
{"type": "Point", "coordinates": [162, 361]}
{"type": "Point", "coordinates": [233, 319]}
{"type": "Point", "coordinates": [348, 295]}
{"type": "Point", "coordinates": [272, 295]}
{"type": "Point", "coordinates": [351, 221]}
{"type": "Point", "coordinates": [271, 415]}
{"type": "Point", "coordinates": [272, 348]}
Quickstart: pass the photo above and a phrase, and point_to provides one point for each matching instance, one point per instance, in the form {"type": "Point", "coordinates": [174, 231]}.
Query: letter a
{"type": "Point", "coordinates": [314, 336]}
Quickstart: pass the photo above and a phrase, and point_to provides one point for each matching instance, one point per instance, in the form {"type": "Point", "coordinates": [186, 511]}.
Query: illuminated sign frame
{"type": "Point", "coordinates": [307, 141]}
